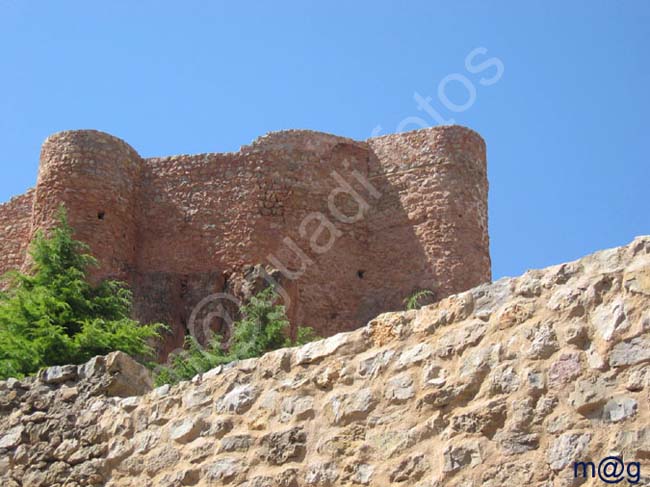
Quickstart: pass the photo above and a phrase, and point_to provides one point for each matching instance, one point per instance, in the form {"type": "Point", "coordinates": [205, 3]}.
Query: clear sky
{"type": "Point", "coordinates": [565, 121]}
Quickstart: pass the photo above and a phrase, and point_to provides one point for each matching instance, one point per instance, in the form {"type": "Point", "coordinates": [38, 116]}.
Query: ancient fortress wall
{"type": "Point", "coordinates": [354, 227]}
{"type": "Point", "coordinates": [15, 228]}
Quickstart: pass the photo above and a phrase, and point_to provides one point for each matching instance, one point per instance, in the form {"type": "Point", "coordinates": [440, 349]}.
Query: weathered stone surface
{"type": "Point", "coordinates": [462, 455]}
{"type": "Point", "coordinates": [322, 474]}
{"type": "Point", "coordinates": [567, 448]}
{"type": "Point", "coordinates": [589, 394]}
{"type": "Point", "coordinates": [619, 409]}
{"type": "Point", "coordinates": [12, 438]}
{"type": "Point", "coordinates": [515, 405]}
{"type": "Point", "coordinates": [239, 400]}
{"type": "Point", "coordinates": [518, 443]}
{"type": "Point", "coordinates": [414, 355]}
{"type": "Point", "coordinates": [544, 342]}
{"type": "Point", "coordinates": [411, 468]}
{"type": "Point", "coordinates": [223, 470]}
{"type": "Point", "coordinates": [186, 430]}
{"type": "Point", "coordinates": [344, 408]}
{"type": "Point", "coordinates": [239, 443]}
{"type": "Point", "coordinates": [362, 474]}
{"type": "Point", "coordinates": [196, 398]}
{"type": "Point", "coordinates": [400, 389]}
{"type": "Point", "coordinates": [297, 407]}
{"type": "Point", "coordinates": [610, 318]}
{"type": "Point", "coordinates": [315, 351]}
{"type": "Point", "coordinates": [375, 363]}
{"type": "Point", "coordinates": [566, 368]}
{"type": "Point", "coordinates": [279, 448]}
{"type": "Point", "coordinates": [59, 374]}
{"type": "Point", "coordinates": [630, 352]}
{"type": "Point", "coordinates": [128, 377]}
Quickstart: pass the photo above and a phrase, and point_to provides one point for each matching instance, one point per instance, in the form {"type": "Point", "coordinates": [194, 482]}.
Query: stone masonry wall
{"type": "Point", "coordinates": [352, 227]}
{"type": "Point", "coordinates": [509, 383]}
{"type": "Point", "coordinates": [15, 223]}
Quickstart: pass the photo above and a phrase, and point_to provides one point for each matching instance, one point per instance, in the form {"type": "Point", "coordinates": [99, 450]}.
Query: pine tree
{"type": "Point", "coordinates": [53, 315]}
{"type": "Point", "coordinates": [264, 327]}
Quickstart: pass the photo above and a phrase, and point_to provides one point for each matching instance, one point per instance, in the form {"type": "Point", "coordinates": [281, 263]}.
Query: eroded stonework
{"type": "Point", "coordinates": [509, 383]}
{"type": "Point", "coordinates": [352, 228]}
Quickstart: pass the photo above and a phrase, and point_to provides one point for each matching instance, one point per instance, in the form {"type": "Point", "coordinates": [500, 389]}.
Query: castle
{"type": "Point", "coordinates": [347, 229]}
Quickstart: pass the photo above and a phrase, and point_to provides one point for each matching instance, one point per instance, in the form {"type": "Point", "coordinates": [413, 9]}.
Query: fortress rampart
{"type": "Point", "coordinates": [353, 227]}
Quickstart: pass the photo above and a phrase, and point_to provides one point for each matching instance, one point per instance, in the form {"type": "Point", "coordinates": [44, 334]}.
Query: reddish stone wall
{"type": "Point", "coordinates": [354, 227]}
{"type": "Point", "coordinates": [95, 175]}
{"type": "Point", "coordinates": [15, 227]}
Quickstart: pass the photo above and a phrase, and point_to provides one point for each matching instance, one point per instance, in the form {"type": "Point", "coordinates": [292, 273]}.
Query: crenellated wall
{"type": "Point", "coordinates": [353, 227]}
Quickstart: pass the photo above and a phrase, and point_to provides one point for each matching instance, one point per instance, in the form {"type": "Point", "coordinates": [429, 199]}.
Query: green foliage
{"type": "Point", "coordinates": [415, 301]}
{"type": "Point", "coordinates": [53, 316]}
{"type": "Point", "coordinates": [264, 327]}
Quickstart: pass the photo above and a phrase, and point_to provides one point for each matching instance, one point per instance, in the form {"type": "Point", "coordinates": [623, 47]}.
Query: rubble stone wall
{"type": "Point", "coordinates": [15, 226]}
{"type": "Point", "coordinates": [509, 383]}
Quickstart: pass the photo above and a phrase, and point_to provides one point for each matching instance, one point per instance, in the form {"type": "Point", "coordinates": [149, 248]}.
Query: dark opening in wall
{"type": "Point", "coordinates": [360, 274]}
{"type": "Point", "coordinates": [100, 215]}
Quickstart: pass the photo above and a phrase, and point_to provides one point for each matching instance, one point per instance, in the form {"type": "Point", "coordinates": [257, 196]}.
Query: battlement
{"type": "Point", "coordinates": [353, 226]}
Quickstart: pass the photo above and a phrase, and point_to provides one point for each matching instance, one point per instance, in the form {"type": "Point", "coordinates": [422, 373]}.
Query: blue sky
{"type": "Point", "coordinates": [567, 139]}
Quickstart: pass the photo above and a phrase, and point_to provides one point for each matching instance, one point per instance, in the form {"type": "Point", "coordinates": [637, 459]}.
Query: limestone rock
{"type": "Point", "coordinates": [59, 374]}
{"type": "Point", "coordinates": [279, 448]}
{"type": "Point", "coordinates": [400, 389]}
{"type": "Point", "coordinates": [362, 474]}
{"type": "Point", "coordinates": [239, 400]}
{"type": "Point", "coordinates": [565, 369]}
{"type": "Point", "coordinates": [240, 443]}
{"type": "Point", "coordinates": [322, 474]}
{"type": "Point", "coordinates": [414, 355]}
{"type": "Point", "coordinates": [128, 377]}
{"type": "Point", "coordinates": [619, 408]}
{"type": "Point", "coordinates": [459, 456]}
{"type": "Point", "coordinates": [344, 408]}
{"type": "Point", "coordinates": [589, 394]}
{"type": "Point", "coordinates": [544, 342]}
{"type": "Point", "coordinates": [630, 352]}
{"type": "Point", "coordinates": [411, 468]}
{"type": "Point", "coordinates": [315, 351]}
{"type": "Point", "coordinates": [567, 448]}
{"type": "Point", "coordinates": [12, 438]}
{"type": "Point", "coordinates": [186, 430]}
{"type": "Point", "coordinates": [223, 470]}
{"type": "Point", "coordinates": [297, 407]}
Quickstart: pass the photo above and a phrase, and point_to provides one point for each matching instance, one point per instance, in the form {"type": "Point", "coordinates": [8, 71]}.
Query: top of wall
{"type": "Point", "coordinates": [287, 141]}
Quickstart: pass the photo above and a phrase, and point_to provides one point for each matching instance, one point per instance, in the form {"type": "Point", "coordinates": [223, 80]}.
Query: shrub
{"type": "Point", "coordinates": [416, 300]}
{"type": "Point", "coordinates": [53, 315]}
{"type": "Point", "coordinates": [263, 328]}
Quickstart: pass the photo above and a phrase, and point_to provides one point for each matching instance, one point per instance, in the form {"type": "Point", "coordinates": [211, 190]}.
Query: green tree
{"type": "Point", "coordinates": [263, 327]}
{"type": "Point", "coordinates": [53, 315]}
